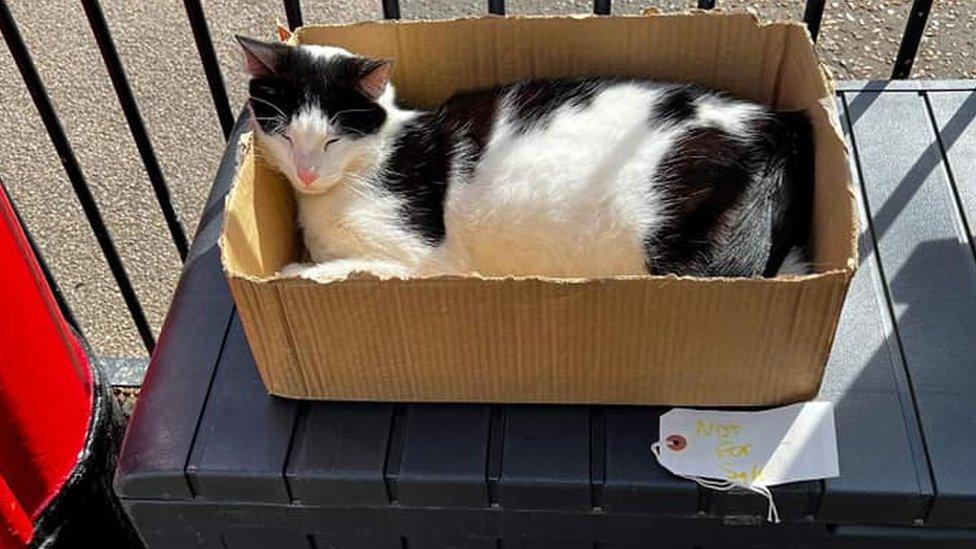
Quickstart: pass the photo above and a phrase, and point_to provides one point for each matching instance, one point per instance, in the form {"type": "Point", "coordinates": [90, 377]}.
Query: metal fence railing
{"type": "Point", "coordinates": [812, 16]}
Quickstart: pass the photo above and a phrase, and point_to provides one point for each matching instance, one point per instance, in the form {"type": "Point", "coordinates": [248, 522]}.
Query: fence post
{"type": "Point", "coordinates": [42, 101]}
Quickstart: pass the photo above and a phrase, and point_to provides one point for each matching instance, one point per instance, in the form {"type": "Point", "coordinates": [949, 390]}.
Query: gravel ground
{"type": "Point", "coordinates": [858, 40]}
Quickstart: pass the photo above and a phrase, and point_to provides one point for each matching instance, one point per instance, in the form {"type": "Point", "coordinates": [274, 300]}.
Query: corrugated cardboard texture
{"type": "Point", "coordinates": [638, 340]}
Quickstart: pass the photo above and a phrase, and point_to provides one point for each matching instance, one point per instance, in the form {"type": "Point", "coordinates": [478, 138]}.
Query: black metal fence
{"type": "Point", "coordinates": [812, 16]}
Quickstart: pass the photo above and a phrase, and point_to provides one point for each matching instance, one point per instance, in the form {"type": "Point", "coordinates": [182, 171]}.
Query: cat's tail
{"type": "Point", "coordinates": [792, 214]}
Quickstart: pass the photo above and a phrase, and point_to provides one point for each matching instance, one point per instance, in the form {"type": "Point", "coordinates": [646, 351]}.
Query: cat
{"type": "Point", "coordinates": [573, 177]}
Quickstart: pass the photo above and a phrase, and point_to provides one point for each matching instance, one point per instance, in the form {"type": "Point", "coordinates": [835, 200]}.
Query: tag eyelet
{"type": "Point", "coordinates": [676, 443]}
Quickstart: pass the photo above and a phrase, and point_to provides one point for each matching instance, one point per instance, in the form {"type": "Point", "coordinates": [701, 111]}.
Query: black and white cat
{"type": "Point", "coordinates": [584, 177]}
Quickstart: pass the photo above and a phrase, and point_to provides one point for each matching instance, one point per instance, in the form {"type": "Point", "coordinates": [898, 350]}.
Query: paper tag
{"type": "Point", "coordinates": [765, 448]}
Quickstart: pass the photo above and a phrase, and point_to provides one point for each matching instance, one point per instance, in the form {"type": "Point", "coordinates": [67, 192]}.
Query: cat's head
{"type": "Point", "coordinates": [317, 110]}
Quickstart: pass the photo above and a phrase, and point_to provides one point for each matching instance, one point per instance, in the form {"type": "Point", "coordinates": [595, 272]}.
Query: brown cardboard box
{"type": "Point", "coordinates": [627, 340]}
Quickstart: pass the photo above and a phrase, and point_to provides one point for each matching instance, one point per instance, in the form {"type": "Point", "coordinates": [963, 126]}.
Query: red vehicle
{"type": "Point", "coordinates": [58, 423]}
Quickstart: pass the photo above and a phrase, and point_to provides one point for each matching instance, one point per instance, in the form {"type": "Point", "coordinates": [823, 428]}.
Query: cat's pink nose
{"type": "Point", "coordinates": [307, 175]}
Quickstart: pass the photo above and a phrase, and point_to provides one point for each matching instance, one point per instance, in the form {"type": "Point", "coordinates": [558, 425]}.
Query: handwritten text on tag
{"type": "Point", "coordinates": [764, 448]}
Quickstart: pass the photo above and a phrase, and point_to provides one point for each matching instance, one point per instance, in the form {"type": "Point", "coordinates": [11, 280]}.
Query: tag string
{"type": "Point", "coordinates": [724, 485]}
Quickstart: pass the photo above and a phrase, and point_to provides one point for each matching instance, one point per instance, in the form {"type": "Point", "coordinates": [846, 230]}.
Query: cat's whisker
{"type": "Point", "coordinates": [336, 115]}
{"type": "Point", "coordinates": [268, 103]}
{"type": "Point", "coordinates": [270, 118]}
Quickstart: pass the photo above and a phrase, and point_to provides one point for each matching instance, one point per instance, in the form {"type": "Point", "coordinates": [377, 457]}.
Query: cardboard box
{"type": "Point", "coordinates": [627, 340]}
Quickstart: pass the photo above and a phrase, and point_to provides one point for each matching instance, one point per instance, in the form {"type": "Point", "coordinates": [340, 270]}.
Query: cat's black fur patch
{"type": "Point", "coordinates": [756, 192]}
{"type": "Point", "coordinates": [469, 117]}
{"type": "Point", "coordinates": [420, 160]}
{"type": "Point", "coordinates": [416, 170]}
{"type": "Point", "coordinates": [790, 136]}
{"type": "Point", "coordinates": [330, 84]}
{"type": "Point", "coordinates": [703, 176]}
{"type": "Point", "coordinates": [534, 102]}
{"type": "Point", "coordinates": [677, 105]}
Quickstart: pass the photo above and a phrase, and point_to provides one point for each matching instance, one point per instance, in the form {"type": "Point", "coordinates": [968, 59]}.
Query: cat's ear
{"type": "Point", "coordinates": [374, 77]}
{"type": "Point", "coordinates": [259, 57]}
{"type": "Point", "coordinates": [283, 33]}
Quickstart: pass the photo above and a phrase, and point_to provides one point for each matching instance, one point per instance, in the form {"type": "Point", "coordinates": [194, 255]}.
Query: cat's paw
{"type": "Point", "coordinates": [344, 268]}
{"type": "Point", "coordinates": [296, 269]}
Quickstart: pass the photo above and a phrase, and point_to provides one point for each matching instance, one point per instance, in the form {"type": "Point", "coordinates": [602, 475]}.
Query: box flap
{"type": "Point", "coordinates": [436, 58]}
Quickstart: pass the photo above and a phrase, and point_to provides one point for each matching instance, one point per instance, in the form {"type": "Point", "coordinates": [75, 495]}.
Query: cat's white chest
{"type": "Point", "coordinates": [354, 221]}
